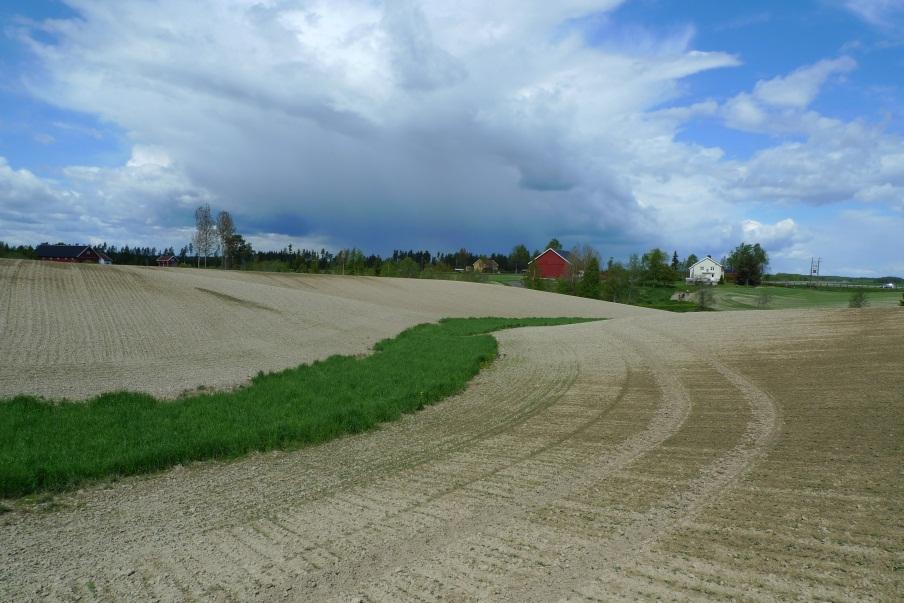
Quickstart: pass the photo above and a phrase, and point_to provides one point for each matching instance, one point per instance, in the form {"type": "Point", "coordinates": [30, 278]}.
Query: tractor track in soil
{"type": "Point", "coordinates": [647, 456]}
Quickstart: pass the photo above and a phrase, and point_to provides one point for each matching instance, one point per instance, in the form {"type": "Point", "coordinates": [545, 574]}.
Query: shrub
{"type": "Point", "coordinates": [858, 300]}
{"type": "Point", "coordinates": [763, 299]}
{"type": "Point", "coordinates": [705, 297]}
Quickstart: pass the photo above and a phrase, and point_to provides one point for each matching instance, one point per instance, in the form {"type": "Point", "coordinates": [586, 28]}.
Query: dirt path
{"type": "Point", "coordinates": [637, 458]}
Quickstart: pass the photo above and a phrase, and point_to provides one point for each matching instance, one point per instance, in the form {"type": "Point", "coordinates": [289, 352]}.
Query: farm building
{"type": "Point", "coordinates": [552, 264]}
{"type": "Point", "coordinates": [706, 270]}
{"type": "Point", "coordinates": [167, 261]}
{"type": "Point", "coordinates": [485, 265]}
{"type": "Point", "coordinates": [81, 254]}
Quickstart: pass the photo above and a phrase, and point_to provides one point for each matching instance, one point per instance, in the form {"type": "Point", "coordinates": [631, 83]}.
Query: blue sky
{"type": "Point", "coordinates": [625, 125]}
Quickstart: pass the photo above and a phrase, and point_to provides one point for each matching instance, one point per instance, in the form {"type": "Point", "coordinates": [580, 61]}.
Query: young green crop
{"type": "Point", "coordinates": [51, 446]}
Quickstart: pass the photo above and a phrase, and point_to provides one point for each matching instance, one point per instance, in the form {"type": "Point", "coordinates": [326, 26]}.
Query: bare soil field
{"type": "Point", "coordinates": [712, 456]}
{"type": "Point", "coordinates": [79, 330]}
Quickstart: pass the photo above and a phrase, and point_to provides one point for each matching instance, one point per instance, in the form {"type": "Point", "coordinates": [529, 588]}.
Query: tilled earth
{"type": "Point", "coordinates": [79, 330]}
{"type": "Point", "coordinates": [751, 456]}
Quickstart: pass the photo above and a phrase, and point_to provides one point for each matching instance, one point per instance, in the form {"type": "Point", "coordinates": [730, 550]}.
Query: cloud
{"type": "Point", "coordinates": [800, 87]}
{"type": "Point", "coordinates": [21, 190]}
{"type": "Point", "coordinates": [880, 13]}
{"type": "Point", "coordinates": [778, 236]}
{"type": "Point", "coordinates": [841, 162]}
{"type": "Point", "coordinates": [816, 160]}
{"type": "Point", "coordinates": [142, 202]}
{"type": "Point", "coordinates": [779, 106]}
{"type": "Point", "coordinates": [416, 123]}
{"type": "Point", "coordinates": [426, 124]}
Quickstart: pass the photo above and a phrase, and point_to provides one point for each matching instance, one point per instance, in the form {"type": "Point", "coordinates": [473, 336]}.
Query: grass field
{"type": "Point", "coordinates": [735, 297]}
{"type": "Point", "coordinates": [54, 445]}
{"type": "Point", "coordinates": [504, 279]}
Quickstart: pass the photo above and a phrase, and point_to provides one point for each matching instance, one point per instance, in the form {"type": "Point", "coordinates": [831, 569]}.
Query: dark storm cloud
{"type": "Point", "coordinates": [421, 124]}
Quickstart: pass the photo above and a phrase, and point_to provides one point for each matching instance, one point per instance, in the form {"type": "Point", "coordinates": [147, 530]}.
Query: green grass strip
{"type": "Point", "coordinates": [53, 446]}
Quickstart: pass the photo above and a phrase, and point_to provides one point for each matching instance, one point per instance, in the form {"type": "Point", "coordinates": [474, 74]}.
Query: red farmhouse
{"type": "Point", "coordinates": [167, 261]}
{"type": "Point", "coordinates": [72, 253]}
{"type": "Point", "coordinates": [552, 264]}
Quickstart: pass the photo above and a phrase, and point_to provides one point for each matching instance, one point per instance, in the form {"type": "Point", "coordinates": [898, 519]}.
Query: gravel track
{"type": "Point", "coordinates": [747, 455]}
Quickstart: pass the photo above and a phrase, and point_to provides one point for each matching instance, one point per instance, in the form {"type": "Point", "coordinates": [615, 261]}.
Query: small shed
{"type": "Point", "coordinates": [486, 265]}
{"type": "Point", "coordinates": [552, 264]}
{"type": "Point", "coordinates": [167, 261]}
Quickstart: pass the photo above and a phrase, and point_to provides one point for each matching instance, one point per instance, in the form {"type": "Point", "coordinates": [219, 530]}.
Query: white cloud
{"type": "Point", "coordinates": [141, 202]}
{"type": "Point", "coordinates": [428, 124]}
{"type": "Point", "coordinates": [779, 106]}
{"type": "Point", "coordinates": [881, 13]}
{"type": "Point", "coordinates": [800, 87]}
{"type": "Point", "coordinates": [776, 236]}
{"type": "Point", "coordinates": [840, 163]}
{"type": "Point", "coordinates": [362, 118]}
{"type": "Point", "coordinates": [143, 156]}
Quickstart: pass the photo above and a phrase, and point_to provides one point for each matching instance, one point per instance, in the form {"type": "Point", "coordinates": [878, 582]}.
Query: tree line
{"type": "Point", "coordinates": [216, 243]}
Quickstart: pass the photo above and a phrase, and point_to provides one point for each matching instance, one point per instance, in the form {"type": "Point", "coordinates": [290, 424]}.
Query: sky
{"type": "Point", "coordinates": [625, 125]}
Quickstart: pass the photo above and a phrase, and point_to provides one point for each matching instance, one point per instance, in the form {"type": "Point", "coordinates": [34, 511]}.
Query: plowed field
{"type": "Point", "coordinates": [746, 455]}
{"type": "Point", "coordinates": [80, 330]}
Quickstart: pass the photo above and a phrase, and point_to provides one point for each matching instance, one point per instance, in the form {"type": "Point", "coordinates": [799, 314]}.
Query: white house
{"type": "Point", "coordinates": [706, 270]}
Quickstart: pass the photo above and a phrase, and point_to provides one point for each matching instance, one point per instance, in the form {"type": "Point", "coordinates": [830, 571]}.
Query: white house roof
{"type": "Point", "coordinates": [704, 259]}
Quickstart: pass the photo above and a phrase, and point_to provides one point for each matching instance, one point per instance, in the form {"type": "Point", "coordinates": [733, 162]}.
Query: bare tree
{"type": "Point", "coordinates": [226, 235]}
{"type": "Point", "coordinates": [205, 233]}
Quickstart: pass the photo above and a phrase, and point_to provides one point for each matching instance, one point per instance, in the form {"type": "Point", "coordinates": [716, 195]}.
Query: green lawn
{"type": "Point", "coordinates": [735, 297]}
{"type": "Point", "coordinates": [660, 298]}
{"type": "Point", "coordinates": [55, 445]}
{"type": "Point", "coordinates": [503, 279]}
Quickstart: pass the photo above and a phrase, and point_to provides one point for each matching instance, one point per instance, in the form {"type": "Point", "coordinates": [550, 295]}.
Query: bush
{"type": "Point", "coordinates": [858, 300]}
{"type": "Point", "coordinates": [705, 297]}
{"type": "Point", "coordinates": [763, 299]}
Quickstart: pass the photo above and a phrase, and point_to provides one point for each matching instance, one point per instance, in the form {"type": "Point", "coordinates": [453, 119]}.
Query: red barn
{"type": "Point", "coordinates": [72, 253]}
{"type": "Point", "coordinates": [552, 264]}
{"type": "Point", "coordinates": [167, 261]}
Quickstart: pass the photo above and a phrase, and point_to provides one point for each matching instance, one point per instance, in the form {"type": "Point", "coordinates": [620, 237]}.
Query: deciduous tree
{"type": "Point", "coordinates": [226, 234]}
{"type": "Point", "coordinates": [519, 257]}
{"type": "Point", "coordinates": [590, 282]}
{"type": "Point", "coordinates": [205, 233]}
{"type": "Point", "coordinates": [408, 268]}
{"type": "Point", "coordinates": [749, 262]}
{"type": "Point", "coordinates": [690, 261]}
{"type": "Point", "coordinates": [655, 267]}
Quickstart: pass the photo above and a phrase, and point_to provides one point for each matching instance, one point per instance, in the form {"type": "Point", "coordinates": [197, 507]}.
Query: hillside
{"type": "Point", "coordinates": [79, 330]}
